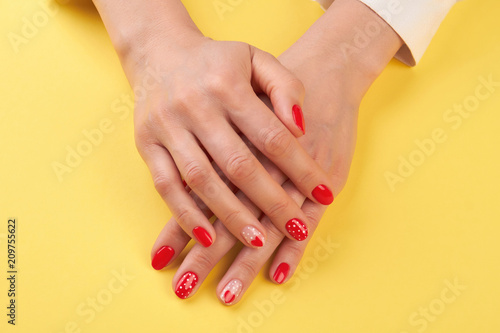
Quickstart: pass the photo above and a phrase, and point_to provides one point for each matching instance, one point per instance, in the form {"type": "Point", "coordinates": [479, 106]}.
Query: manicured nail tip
{"type": "Point", "coordinates": [281, 273]}
{"type": "Point", "coordinates": [252, 236]}
{"type": "Point", "coordinates": [186, 285]}
{"type": "Point", "coordinates": [162, 257]}
{"type": "Point", "coordinates": [297, 229]}
{"type": "Point", "coordinates": [298, 118]}
{"type": "Point", "coordinates": [257, 242]}
{"type": "Point", "coordinates": [323, 194]}
{"type": "Point", "coordinates": [202, 236]}
{"type": "Point", "coordinates": [231, 291]}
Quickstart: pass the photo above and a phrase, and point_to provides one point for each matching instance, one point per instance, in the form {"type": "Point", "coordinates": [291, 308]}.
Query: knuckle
{"type": "Point", "coordinates": [295, 250]}
{"type": "Point", "coordinates": [203, 261]}
{"type": "Point", "coordinates": [158, 113]}
{"type": "Point", "coordinates": [196, 176]}
{"type": "Point", "coordinates": [232, 219]}
{"type": "Point", "coordinates": [219, 83]}
{"type": "Point", "coordinates": [249, 267]}
{"type": "Point", "coordinates": [184, 216]}
{"type": "Point", "coordinates": [278, 207]}
{"type": "Point", "coordinates": [308, 177]}
{"type": "Point", "coordinates": [240, 166]}
{"type": "Point", "coordinates": [162, 184]}
{"type": "Point", "coordinates": [276, 141]}
{"type": "Point", "coordinates": [183, 98]}
{"type": "Point", "coordinates": [296, 85]}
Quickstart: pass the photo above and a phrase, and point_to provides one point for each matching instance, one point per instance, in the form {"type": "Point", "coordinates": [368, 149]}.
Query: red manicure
{"type": "Point", "coordinates": [228, 297]}
{"type": "Point", "coordinates": [202, 236]}
{"type": "Point", "coordinates": [186, 285]}
{"type": "Point", "coordinates": [297, 229]}
{"type": "Point", "coordinates": [281, 272]}
{"type": "Point", "coordinates": [252, 236]}
{"type": "Point", "coordinates": [323, 194]}
{"type": "Point", "coordinates": [257, 242]}
{"type": "Point", "coordinates": [231, 291]}
{"type": "Point", "coordinates": [162, 257]}
{"type": "Point", "coordinates": [298, 118]}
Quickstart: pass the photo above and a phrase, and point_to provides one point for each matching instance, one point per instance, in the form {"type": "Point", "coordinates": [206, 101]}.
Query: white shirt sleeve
{"type": "Point", "coordinates": [415, 21]}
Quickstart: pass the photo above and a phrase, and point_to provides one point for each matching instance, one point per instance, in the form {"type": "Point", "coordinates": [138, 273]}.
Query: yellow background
{"type": "Point", "coordinates": [395, 251]}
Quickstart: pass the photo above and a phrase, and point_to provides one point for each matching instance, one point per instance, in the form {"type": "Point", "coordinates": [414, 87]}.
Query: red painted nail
{"type": "Point", "coordinates": [184, 183]}
{"type": "Point", "coordinates": [298, 118]}
{"type": "Point", "coordinates": [231, 291]}
{"type": "Point", "coordinates": [281, 272]}
{"type": "Point", "coordinates": [252, 236]}
{"type": "Point", "coordinates": [186, 285]}
{"type": "Point", "coordinates": [323, 194]}
{"type": "Point", "coordinates": [162, 257]}
{"type": "Point", "coordinates": [202, 236]}
{"type": "Point", "coordinates": [257, 242]}
{"type": "Point", "coordinates": [297, 229]}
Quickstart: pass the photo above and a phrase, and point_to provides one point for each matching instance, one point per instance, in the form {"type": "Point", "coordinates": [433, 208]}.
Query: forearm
{"type": "Point", "coordinates": [136, 26]}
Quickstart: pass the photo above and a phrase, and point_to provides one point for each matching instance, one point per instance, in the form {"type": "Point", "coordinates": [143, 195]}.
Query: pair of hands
{"type": "Point", "coordinates": [199, 117]}
{"type": "Point", "coordinates": [329, 145]}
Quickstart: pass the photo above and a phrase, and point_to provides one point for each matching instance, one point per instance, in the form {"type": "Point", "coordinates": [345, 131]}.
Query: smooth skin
{"type": "Point", "coordinates": [194, 97]}
{"type": "Point", "coordinates": [335, 82]}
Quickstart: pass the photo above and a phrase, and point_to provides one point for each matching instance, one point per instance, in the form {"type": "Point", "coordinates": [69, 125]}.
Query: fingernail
{"type": "Point", "coordinates": [162, 257]}
{"type": "Point", "coordinates": [202, 236]}
{"type": "Point", "coordinates": [252, 236]}
{"type": "Point", "coordinates": [297, 229]}
{"type": "Point", "coordinates": [298, 118]}
{"type": "Point", "coordinates": [231, 291]}
{"type": "Point", "coordinates": [184, 183]}
{"type": "Point", "coordinates": [323, 194]}
{"type": "Point", "coordinates": [186, 285]}
{"type": "Point", "coordinates": [281, 272]}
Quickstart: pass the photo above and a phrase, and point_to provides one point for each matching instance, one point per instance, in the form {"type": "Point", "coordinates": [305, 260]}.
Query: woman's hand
{"type": "Point", "coordinates": [335, 83]}
{"type": "Point", "coordinates": [330, 140]}
{"type": "Point", "coordinates": [193, 98]}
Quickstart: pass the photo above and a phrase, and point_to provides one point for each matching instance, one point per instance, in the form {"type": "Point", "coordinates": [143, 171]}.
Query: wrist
{"type": "Point", "coordinates": [139, 29]}
{"type": "Point", "coordinates": [351, 37]}
{"type": "Point", "coordinates": [141, 49]}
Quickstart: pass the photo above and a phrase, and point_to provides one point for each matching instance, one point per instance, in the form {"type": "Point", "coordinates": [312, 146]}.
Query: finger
{"type": "Point", "coordinates": [201, 177]}
{"type": "Point", "coordinates": [169, 244]}
{"type": "Point", "coordinates": [169, 185]}
{"type": "Point", "coordinates": [248, 263]}
{"type": "Point", "coordinates": [272, 138]}
{"type": "Point", "coordinates": [283, 88]}
{"type": "Point", "coordinates": [200, 261]}
{"type": "Point", "coordinates": [289, 254]}
{"type": "Point", "coordinates": [246, 172]}
{"type": "Point", "coordinates": [172, 239]}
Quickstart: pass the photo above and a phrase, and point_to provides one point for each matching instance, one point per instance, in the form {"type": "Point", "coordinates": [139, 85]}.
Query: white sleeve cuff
{"type": "Point", "coordinates": [415, 21]}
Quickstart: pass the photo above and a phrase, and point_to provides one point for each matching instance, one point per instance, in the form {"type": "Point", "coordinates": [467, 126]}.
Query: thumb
{"type": "Point", "coordinates": [284, 89]}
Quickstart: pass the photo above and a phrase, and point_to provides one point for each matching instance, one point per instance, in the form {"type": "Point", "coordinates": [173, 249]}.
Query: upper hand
{"type": "Point", "coordinates": [191, 106]}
